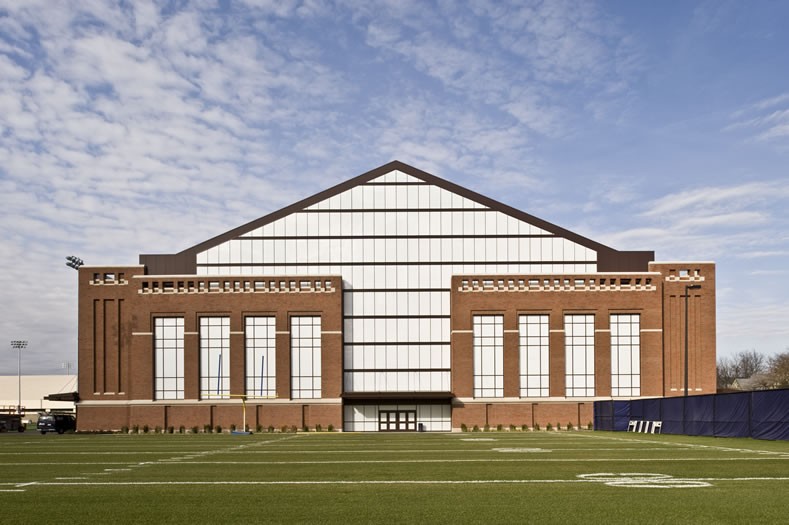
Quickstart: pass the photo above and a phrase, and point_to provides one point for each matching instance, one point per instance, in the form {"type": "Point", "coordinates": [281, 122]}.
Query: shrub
{"type": "Point", "coordinates": [124, 429]}
{"type": "Point", "coordinates": [569, 426]}
{"type": "Point", "coordinates": [475, 429]}
{"type": "Point", "coordinates": [181, 429]}
{"type": "Point", "coordinates": [549, 427]}
{"type": "Point", "coordinates": [293, 429]}
{"type": "Point", "coordinates": [271, 429]}
{"type": "Point", "coordinates": [207, 428]}
{"type": "Point", "coordinates": [233, 427]}
{"type": "Point", "coordinates": [589, 426]}
{"type": "Point", "coordinates": [536, 426]}
{"type": "Point", "coordinates": [318, 428]}
{"type": "Point", "coordinates": [463, 427]}
{"type": "Point", "coordinates": [487, 427]}
{"type": "Point", "coordinates": [157, 429]}
{"type": "Point", "coordinates": [218, 429]}
{"type": "Point", "coordinates": [284, 428]}
{"type": "Point", "coordinates": [330, 428]}
{"type": "Point", "coordinates": [145, 429]}
{"type": "Point", "coordinates": [499, 427]}
{"type": "Point", "coordinates": [524, 427]}
{"type": "Point", "coordinates": [512, 427]}
{"type": "Point", "coordinates": [305, 428]}
{"type": "Point", "coordinates": [195, 430]}
{"type": "Point", "coordinates": [170, 429]}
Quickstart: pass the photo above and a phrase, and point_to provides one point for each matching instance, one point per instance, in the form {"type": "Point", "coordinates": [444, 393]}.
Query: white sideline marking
{"type": "Point", "coordinates": [477, 460]}
{"type": "Point", "coordinates": [64, 453]}
{"type": "Point", "coordinates": [407, 482]}
{"type": "Point", "coordinates": [59, 463]}
{"type": "Point", "coordinates": [635, 439]}
{"type": "Point", "coordinates": [109, 471]}
{"type": "Point", "coordinates": [479, 439]}
{"type": "Point", "coordinates": [526, 450]}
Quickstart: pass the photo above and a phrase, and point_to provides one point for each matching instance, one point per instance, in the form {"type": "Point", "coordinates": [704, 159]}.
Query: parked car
{"type": "Point", "coordinates": [59, 423]}
{"type": "Point", "coordinates": [11, 422]}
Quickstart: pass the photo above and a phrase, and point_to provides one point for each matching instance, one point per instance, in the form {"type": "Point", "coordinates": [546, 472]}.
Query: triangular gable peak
{"type": "Point", "coordinates": [386, 195]}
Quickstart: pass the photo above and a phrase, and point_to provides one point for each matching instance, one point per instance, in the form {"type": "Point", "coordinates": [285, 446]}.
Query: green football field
{"type": "Point", "coordinates": [491, 477]}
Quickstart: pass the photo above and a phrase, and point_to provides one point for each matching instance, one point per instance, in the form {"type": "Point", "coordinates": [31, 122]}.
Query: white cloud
{"type": "Point", "coordinates": [764, 121]}
{"type": "Point", "coordinates": [565, 44]}
{"type": "Point", "coordinates": [732, 220]}
{"type": "Point", "coordinates": [755, 255]}
{"type": "Point", "coordinates": [716, 198]}
{"type": "Point", "coordinates": [123, 125]}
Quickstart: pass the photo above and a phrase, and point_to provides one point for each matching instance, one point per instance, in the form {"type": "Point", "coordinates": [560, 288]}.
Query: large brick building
{"type": "Point", "coordinates": [393, 300]}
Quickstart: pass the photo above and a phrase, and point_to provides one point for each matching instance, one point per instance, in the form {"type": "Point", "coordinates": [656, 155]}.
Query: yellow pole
{"type": "Point", "coordinates": [244, 413]}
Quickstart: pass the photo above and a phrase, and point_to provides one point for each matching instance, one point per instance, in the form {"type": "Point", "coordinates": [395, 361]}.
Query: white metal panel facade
{"type": "Point", "coordinates": [396, 241]}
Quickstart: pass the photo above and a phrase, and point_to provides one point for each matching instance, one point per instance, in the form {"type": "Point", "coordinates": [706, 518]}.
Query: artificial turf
{"type": "Point", "coordinates": [496, 477]}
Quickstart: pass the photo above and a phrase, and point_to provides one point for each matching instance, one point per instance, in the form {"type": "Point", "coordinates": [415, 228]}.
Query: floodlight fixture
{"type": "Point", "coordinates": [74, 262]}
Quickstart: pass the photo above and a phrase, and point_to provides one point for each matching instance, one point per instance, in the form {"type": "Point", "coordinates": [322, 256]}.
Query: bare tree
{"type": "Point", "coordinates": [741, 365]}
{"type": "Point", "coordinates": [750, 363]}
{"type": "Point", "coordinates": [726, 372]}
{"type": "Point", "coordinates": [778, 370]}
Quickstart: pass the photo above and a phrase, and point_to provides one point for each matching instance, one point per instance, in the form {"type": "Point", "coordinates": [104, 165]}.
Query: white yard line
{"type": "Point", "coordinates": [381, 482]}
{"type": "Point", "coordinates": [485, 460]}
{"type": "Point", "coordinates": [187, 461]}
{"type": "Point", "coordinates": [19, 487]}
{"type": "Point", "coordinates": [691, 445]}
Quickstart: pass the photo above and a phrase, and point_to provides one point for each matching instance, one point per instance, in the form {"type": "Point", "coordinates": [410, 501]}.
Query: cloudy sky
{"type": "Point", "coordinates": [142, 127]}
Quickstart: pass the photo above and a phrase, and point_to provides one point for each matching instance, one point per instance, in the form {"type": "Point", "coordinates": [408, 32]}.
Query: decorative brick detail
{"type": "Point", "coordinates": [116, 347]}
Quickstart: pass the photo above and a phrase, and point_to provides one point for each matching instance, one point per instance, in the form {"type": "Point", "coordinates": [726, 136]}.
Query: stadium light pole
{"type": "Point", "coordinates": [73, 262]}
{"type": "Point", "coordinates": [688, 287]}
{"type": "Point", "coordinates": [18, 345]}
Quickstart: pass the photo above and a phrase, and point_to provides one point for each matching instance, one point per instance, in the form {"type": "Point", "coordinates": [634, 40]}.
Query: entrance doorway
{"type": "Point", "coordinates": [397, 421]}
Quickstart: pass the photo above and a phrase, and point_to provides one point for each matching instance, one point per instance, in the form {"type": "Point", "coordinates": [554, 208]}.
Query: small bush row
{"type": "Point", "coordinates": [208, 429]}
{"type": "Point", "coordinates": [523, 428]}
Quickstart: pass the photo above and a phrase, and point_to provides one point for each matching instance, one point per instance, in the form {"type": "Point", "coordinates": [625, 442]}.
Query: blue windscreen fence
{"type": "Point", "coordinates": [762, 415]}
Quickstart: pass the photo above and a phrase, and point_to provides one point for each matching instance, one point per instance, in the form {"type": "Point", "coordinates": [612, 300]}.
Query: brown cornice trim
{"type": "Point", "coordinates": [399, 396]}
{"type": "Point", "coordinates": [185, 261]}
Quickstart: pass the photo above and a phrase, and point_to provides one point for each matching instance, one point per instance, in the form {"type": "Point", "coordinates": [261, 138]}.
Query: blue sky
{"type": "Point", "coordinates": [145, 127]}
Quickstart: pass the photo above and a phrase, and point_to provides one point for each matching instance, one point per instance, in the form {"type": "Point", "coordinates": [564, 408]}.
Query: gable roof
{"type": "Point", "coordinates": [608, 259]}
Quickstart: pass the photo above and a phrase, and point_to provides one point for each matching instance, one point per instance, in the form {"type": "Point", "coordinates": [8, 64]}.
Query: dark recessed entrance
{"type": "Point", "coordinates": [397, 421]}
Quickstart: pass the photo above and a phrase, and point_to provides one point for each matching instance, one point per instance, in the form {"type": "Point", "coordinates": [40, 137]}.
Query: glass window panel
{"type": "Point", "coordinates": [579, 354]}
{"type": "Point", "coordinates": [488, 350]}
{"type": "Point", "coordinates": [168, 358]}
{"type": "Point", "coordinates": [625, 352]}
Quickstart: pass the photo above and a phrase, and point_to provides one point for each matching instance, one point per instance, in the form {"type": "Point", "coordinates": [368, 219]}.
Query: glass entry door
{"type": "Point", "coordinates": [397, 421]}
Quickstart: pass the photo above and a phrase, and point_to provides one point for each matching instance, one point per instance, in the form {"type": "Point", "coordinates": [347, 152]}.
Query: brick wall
{"type": "Point", "coordinates": [117, 306]}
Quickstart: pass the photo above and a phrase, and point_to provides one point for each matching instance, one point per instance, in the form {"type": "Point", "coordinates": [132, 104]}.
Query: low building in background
{"type": "Point", "coordinates": [755, 382]}
{"type": "Point", "coordinates": [395, 301]}
{"type": "Point", "coordinates": [35, 390]}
